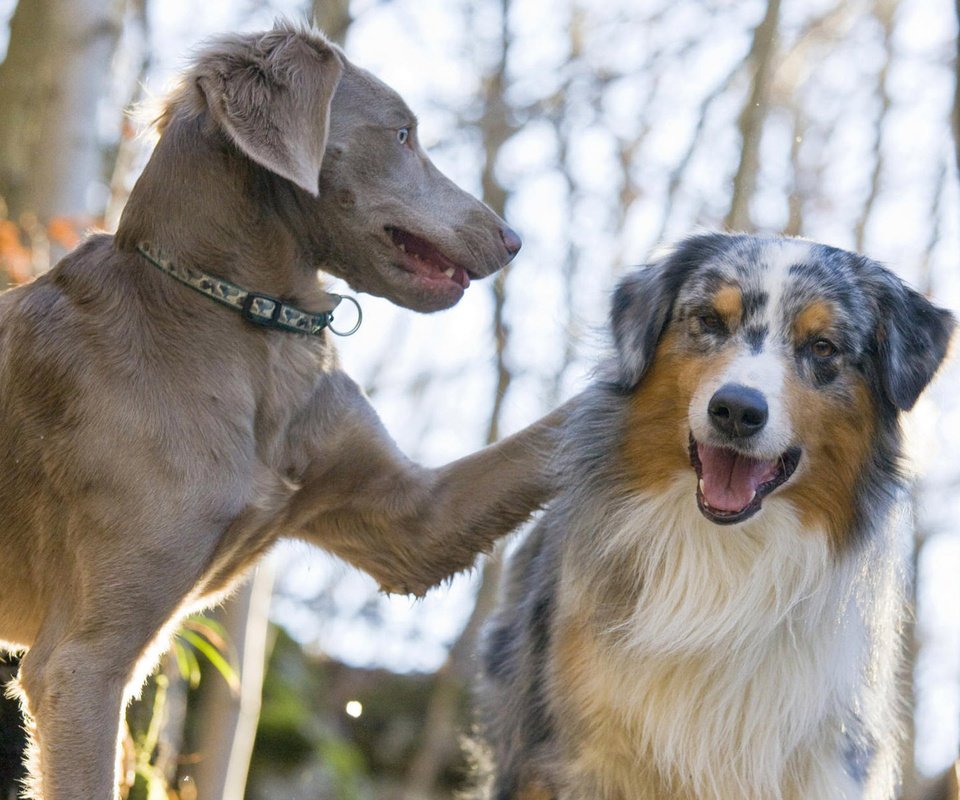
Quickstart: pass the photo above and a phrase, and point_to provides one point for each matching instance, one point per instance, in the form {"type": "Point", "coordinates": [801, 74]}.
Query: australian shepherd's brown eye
{"type": "Point", "coordinates": [710, 322]}
{"type": "Point", "coordinates": [824, 348]}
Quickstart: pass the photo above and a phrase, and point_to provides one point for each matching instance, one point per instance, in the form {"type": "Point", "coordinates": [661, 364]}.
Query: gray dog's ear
{"type": "Point", "coordinates": [271, 95]}
{"type": "Point", "coordinates": [913, 337]}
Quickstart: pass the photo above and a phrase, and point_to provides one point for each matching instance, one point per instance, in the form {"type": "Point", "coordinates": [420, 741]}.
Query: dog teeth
{"type": "Point", "coordinates": [449, 272]}
{"type": "Point", "coordinates": [701, 486]}
{"type": "Point", "coordinates": [403, 248]}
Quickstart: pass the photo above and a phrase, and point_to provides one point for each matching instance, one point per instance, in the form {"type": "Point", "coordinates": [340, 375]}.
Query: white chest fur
{"type": "Point", "coordinates": [746, 653]}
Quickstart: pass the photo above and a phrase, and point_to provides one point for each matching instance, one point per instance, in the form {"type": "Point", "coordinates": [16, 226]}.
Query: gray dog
{"type": "Point", "coordinates": [171, 404]}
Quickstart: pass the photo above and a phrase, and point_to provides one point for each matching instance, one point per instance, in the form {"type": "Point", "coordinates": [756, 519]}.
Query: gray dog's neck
{"type": "Point", "coordinates": [201, 202]}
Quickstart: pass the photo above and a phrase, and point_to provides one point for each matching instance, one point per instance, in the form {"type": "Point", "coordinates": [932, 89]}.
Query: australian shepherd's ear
{"type": "Point", "coordinates": [641, 311]}
{"type": "Point", "coordinates": [643, 301]}
{"type": "Point", "coordinates": [912, 339]}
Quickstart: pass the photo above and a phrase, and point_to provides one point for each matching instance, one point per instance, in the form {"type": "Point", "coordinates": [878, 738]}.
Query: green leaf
{"type": "Point", "coordinates": [213, 655]}
{"type": "Point", "coordinates": [187, 664]}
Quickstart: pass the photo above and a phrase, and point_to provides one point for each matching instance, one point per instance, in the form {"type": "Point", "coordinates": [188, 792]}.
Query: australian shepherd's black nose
{"type": "Point", "coordinates": [709, 610]}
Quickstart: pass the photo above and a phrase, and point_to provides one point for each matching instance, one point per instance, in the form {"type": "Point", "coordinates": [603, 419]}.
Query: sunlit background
{"type": "Point", "coordinates": [608, 128]}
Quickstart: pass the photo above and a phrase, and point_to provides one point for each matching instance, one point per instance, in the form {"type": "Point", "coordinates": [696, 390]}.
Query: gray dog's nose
{"type": "Point", "coordinates": [511, 241]}
{"type": "Point", "coordinates": [738, 410]}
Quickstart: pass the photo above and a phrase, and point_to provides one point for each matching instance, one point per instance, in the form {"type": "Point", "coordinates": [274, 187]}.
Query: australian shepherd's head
{"type": "Point", "coordinates": [767, 370]}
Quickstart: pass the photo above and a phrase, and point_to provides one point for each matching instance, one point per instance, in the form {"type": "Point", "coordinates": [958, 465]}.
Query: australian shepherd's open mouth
{"type": "Point", "coordinates": [731, 486]}
{"type": "Point", "coordinates": [423, 260]}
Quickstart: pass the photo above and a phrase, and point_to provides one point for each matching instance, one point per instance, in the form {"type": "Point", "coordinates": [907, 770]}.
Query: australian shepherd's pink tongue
{"type": "Point", "coordinates": [730, 480]}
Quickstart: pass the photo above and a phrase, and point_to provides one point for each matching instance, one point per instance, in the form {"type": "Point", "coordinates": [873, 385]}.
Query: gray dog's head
{"type": "Point", "coordinates": [375, 210]}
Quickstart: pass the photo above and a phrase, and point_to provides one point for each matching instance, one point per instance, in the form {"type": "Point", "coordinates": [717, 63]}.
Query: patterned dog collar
{"type": "Point", "coordinates": [260, 309]}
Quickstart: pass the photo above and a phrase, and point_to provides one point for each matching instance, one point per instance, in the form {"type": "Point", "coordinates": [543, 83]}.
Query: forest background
{"type": "Point", "coordinates": [600, 130]}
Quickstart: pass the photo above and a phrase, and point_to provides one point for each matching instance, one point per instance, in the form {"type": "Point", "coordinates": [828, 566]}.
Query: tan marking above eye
{"type": "Point", "coordinates": [728, 303]}
{"type": "Point", "coordinates": [816, 318]}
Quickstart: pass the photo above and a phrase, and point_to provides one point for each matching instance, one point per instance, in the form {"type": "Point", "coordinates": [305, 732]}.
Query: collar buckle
{"type": "Point", "coordinates": [253, 314]}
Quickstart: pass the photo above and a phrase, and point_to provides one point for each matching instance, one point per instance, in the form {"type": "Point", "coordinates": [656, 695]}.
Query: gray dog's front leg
{"type": "Point", "coordinates": [411, 527]}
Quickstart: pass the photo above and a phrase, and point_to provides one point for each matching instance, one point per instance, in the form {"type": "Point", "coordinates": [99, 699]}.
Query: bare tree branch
{"type": "Point", "coordinates": [924, 281]}
{"type": "Point", "coordinates": [679, 172]}
{"type": "Point", "coordinates": [956, 95]}
{"type": "Point", "coordinates": [332, 17]}
{"type": "Point", "coordinates": [129, 146]}
{"type": "Point", "coordinates": [228, 720]}
{"type": "Point", "coordinates": [884, 13]}
{"type": "Point", "coordinates": [752, 118]}
{"type": "Point", "coordinates": [50, 83]}
{"type": "Point", "coordinates": [795, 200]}
{"type": "Point", "coordinates": [568, 269]}
{"type": "Point", "coordinates": [440, 742]}
{"type": "Point", "coordinates": [496, 129]}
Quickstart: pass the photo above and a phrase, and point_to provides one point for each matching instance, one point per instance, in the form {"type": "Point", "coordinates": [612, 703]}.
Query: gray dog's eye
{"type": "Point", "coordinates": [402, 135]}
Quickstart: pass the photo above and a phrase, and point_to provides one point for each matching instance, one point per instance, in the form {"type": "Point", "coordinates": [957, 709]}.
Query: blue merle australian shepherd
{"type": "Point", "coordinates": [709, 610]}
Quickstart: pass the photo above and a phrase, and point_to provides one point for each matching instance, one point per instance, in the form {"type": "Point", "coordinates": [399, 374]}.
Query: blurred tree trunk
{"type": "Point", "coordinates": [442, 728]}
{"type": "Point", "coordinates": [884, 14]}
{"type": "Point", "coordinates": [57, 64]}
{"type": "Point", "coordinates": [753, 116]}
{"type": "Point", "coordinates": [440, 745]}
{"type": "Point", "coordinates": [495, 129]}
{"type": "Point", "coordinates": [795, 200]}
{"type": "Point", "coordinates": [955, 777]}
{"type": "Point", "coordinates": [51, 82]}
{"type": "Point", "coordinates": [332, 17]}
{"type": "Point", "coordinates": [956, 93]}
{"type": "Point", "coordinates": [130, 146]}
{"type": "Point", "coordinates": [227, 719]}
{"type": "Point", "coordinates": [913, 785]}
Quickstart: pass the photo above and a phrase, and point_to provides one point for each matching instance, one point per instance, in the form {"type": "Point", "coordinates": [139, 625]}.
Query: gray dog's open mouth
{"type": "Point", "coordinates": [731, 486]}
{"type": "Point", "coordinates": [420, 258]}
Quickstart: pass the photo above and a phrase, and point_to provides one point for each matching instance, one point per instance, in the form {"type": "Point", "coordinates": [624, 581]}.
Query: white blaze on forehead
{"type": "Point", "coordinates": [764, 371]}
{"type": "Point", "coordinates": [776, 260]}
